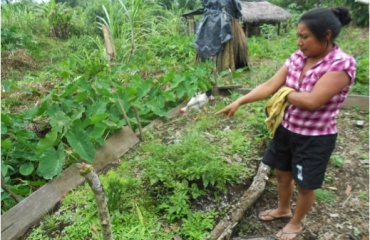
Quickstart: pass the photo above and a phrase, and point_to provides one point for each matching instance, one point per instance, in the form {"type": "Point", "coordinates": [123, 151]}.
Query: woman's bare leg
{"type": "Point", "coordinates": [285, 187]}
{"type": "Point", "coordinates": [305, 200]}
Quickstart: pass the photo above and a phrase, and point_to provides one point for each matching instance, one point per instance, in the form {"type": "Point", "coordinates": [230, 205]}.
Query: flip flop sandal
{"type": "Point", "coordinates": [271, 217]}
{"type": "Point", "coordinates": [282, 232]}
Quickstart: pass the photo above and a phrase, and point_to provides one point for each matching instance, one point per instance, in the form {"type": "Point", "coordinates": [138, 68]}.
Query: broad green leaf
{"type": "Point", "coordinates": [69, 90]}
{"type": "Point", "coordinates": [97, 132]}
{"type": "Point", "coordinates": [4, 129]}
{"type": "Point", "coordinates": [48, 141]}
{"type": "Point", "coordinates": [81, 96]}
{"type": "Point", "coordinates": [81, 144]}
{"type": "Point", "coordinates": [51, 162]}
{"type": "Point", "coordinates": [78, 113]}
{"type": "Point", "coordinates": [97, 107]}
{"type": "Point", "coordinates": [60, 121]}
{"type": "Point", "coordinates": [98, 118]}
{"type": "Point", "coordinates": [30, 113]}
{"type": "Point", "coordinates": [6, 144]}
{"type": "Point", "coordinates": [26, 168]}
{"type": "Point", "coordinates": [5, 118]}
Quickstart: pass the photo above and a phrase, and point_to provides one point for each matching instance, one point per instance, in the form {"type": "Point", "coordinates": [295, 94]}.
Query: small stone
{"type": "Point", "coordinates": [334, 215]}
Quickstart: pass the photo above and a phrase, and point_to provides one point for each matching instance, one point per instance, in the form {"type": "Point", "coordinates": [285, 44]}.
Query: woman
{"type": "Point", "coordinates": [321, 75]}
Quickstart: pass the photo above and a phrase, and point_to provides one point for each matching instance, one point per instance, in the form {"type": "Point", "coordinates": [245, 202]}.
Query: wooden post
{"type": "Point", "coordinates": [93, 180]}
{"type": "Point", "coordinates": [190, 24]}
{"type": "Point", "coordinates": [109, 46]}
{"type": "Point", "coordinates": [138, 123]}
{"type": "Point", "coordinates": [124, 113]}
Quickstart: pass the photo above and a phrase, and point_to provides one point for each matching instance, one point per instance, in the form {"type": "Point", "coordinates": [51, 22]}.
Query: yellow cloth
{"type": "Point", "coordinates": [275, 108]}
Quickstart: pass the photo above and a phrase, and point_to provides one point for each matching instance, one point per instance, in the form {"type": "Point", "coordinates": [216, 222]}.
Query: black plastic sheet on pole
{"type": "Point", "coordinates": [216, 26]}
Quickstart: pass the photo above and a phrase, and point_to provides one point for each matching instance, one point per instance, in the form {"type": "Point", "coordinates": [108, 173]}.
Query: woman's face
{"type": "Point", "coordinates": [308, 43]}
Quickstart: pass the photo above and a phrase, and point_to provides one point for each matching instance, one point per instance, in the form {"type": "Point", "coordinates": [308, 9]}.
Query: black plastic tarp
{"type": "Point", "coordinates": [216, 26]}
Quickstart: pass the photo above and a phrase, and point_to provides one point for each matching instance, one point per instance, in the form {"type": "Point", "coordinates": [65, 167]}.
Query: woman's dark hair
{"type": "Point", "coordinates": [320, 20]}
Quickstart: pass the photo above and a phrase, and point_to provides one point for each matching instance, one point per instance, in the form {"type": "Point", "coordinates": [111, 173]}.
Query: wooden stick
{"type": "Point", "coordinates": [6, 189]}
{"type": "Point", "coordinates": [87, 171]}
{"type": "Point", "coordinates": [225, 227]}
{"type": "Point", "coordinates": [138, 122]}
{"type": "Point", "coordinates": [124, 113]}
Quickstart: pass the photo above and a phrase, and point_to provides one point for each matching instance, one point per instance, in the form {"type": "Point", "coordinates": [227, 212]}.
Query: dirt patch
{"type": "Point", "coordinates": [341, 214]}
{"type": "Point", "coordinates": [18, 60]}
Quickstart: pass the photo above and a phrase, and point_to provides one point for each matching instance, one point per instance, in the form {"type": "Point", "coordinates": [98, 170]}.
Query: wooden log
{"type": "Point", "coordinates": [16, 221]}
{"type": "Point", "coordinates": [225, 227]}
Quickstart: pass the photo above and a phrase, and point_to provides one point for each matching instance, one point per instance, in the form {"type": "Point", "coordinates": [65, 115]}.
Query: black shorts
{"type": "Point", "coordinates": [305, 156]}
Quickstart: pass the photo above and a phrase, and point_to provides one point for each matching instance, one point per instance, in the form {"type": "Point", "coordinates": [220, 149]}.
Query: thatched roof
{"type": "Point", "coordinates": [262, 11]}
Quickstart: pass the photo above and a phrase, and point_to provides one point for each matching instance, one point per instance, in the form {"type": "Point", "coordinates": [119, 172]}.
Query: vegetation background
{"type": "Point", "coordinates": [61, 100]}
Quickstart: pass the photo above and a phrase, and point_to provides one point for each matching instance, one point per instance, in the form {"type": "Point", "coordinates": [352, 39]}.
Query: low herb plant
{"type": "Point", "coordinates": [324, 196]}
{"type": "Point", "coordinates": [157, 190]}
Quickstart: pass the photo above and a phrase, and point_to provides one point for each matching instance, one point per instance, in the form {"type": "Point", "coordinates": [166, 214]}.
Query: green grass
{"type": "Point", "coordinates": [324, 196]}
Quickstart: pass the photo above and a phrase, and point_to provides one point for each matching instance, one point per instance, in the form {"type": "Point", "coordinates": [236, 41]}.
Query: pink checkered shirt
{"type": "Point", "coordinates": [323, 120]}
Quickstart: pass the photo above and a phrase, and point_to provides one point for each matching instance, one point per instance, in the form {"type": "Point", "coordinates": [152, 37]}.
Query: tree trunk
{"type": "Point", "coordinates": [92, 178]}
{"type": "Point", "coordinates": [225, 227]}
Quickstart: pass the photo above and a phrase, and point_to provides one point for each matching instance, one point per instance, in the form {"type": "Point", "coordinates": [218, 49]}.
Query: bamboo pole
{"type": "Point", "coordinates": [87, 171]}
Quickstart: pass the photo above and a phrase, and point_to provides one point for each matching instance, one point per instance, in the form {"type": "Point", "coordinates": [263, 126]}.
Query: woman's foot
{"type": "Point", "coordinates": [289, 232]}
{"type": "Point", "coordinates": [274, 214]}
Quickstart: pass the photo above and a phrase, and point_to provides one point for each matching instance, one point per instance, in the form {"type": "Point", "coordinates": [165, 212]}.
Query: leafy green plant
{"type": "Point", "coordinates": [336, 161]}
{"type": "Point", "coordinates": [362, 73]}
{"type": "Point", "coordinates": [59, 17]}
{"type": "Point", "coordinates": [198, 225]}
{"type": "Point", "coordinates": [12, 38]}
{"type": "Point", "coordinates": [324, 196]}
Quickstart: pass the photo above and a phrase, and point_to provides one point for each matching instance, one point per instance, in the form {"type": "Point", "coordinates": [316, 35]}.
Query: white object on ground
{"type": "Point", "coordinates": [196, 102]}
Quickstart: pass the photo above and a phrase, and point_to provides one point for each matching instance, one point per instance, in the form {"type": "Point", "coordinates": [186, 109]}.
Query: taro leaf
{"type": "Point", "coordinates": [97, 107]}
{"type": "Point", "coordinates": [77, 114]}
{"type": "Point", "coordinates": [6, 144]}
{"type": "Point", "coordinates": [59, 120]}
{"type": "Point", "coordinates": [80, 141]}
{"type": "Point", "coordinates": [81, 96]}
{"type": "Point", "coordinates": [5, 119]}
{"type": "Point", "coordinates": [4, 129]}
{"type": "Point", "coordinates": [30, 113]}
{"type": "Point", "coordinates": [4, 195]}
{"type": "Point", "coordinates": [48, 141]}
{"type": "Point", "coordinates": [157, 107]}
{"type": "Point", "coordinates": [97, 132]}
{"type": "Point", "coordinates": [98, 118]}
{"type": "Point", "coordinates": [51, 162]}
{"type": "Point", "coordinates": [26, 169]}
